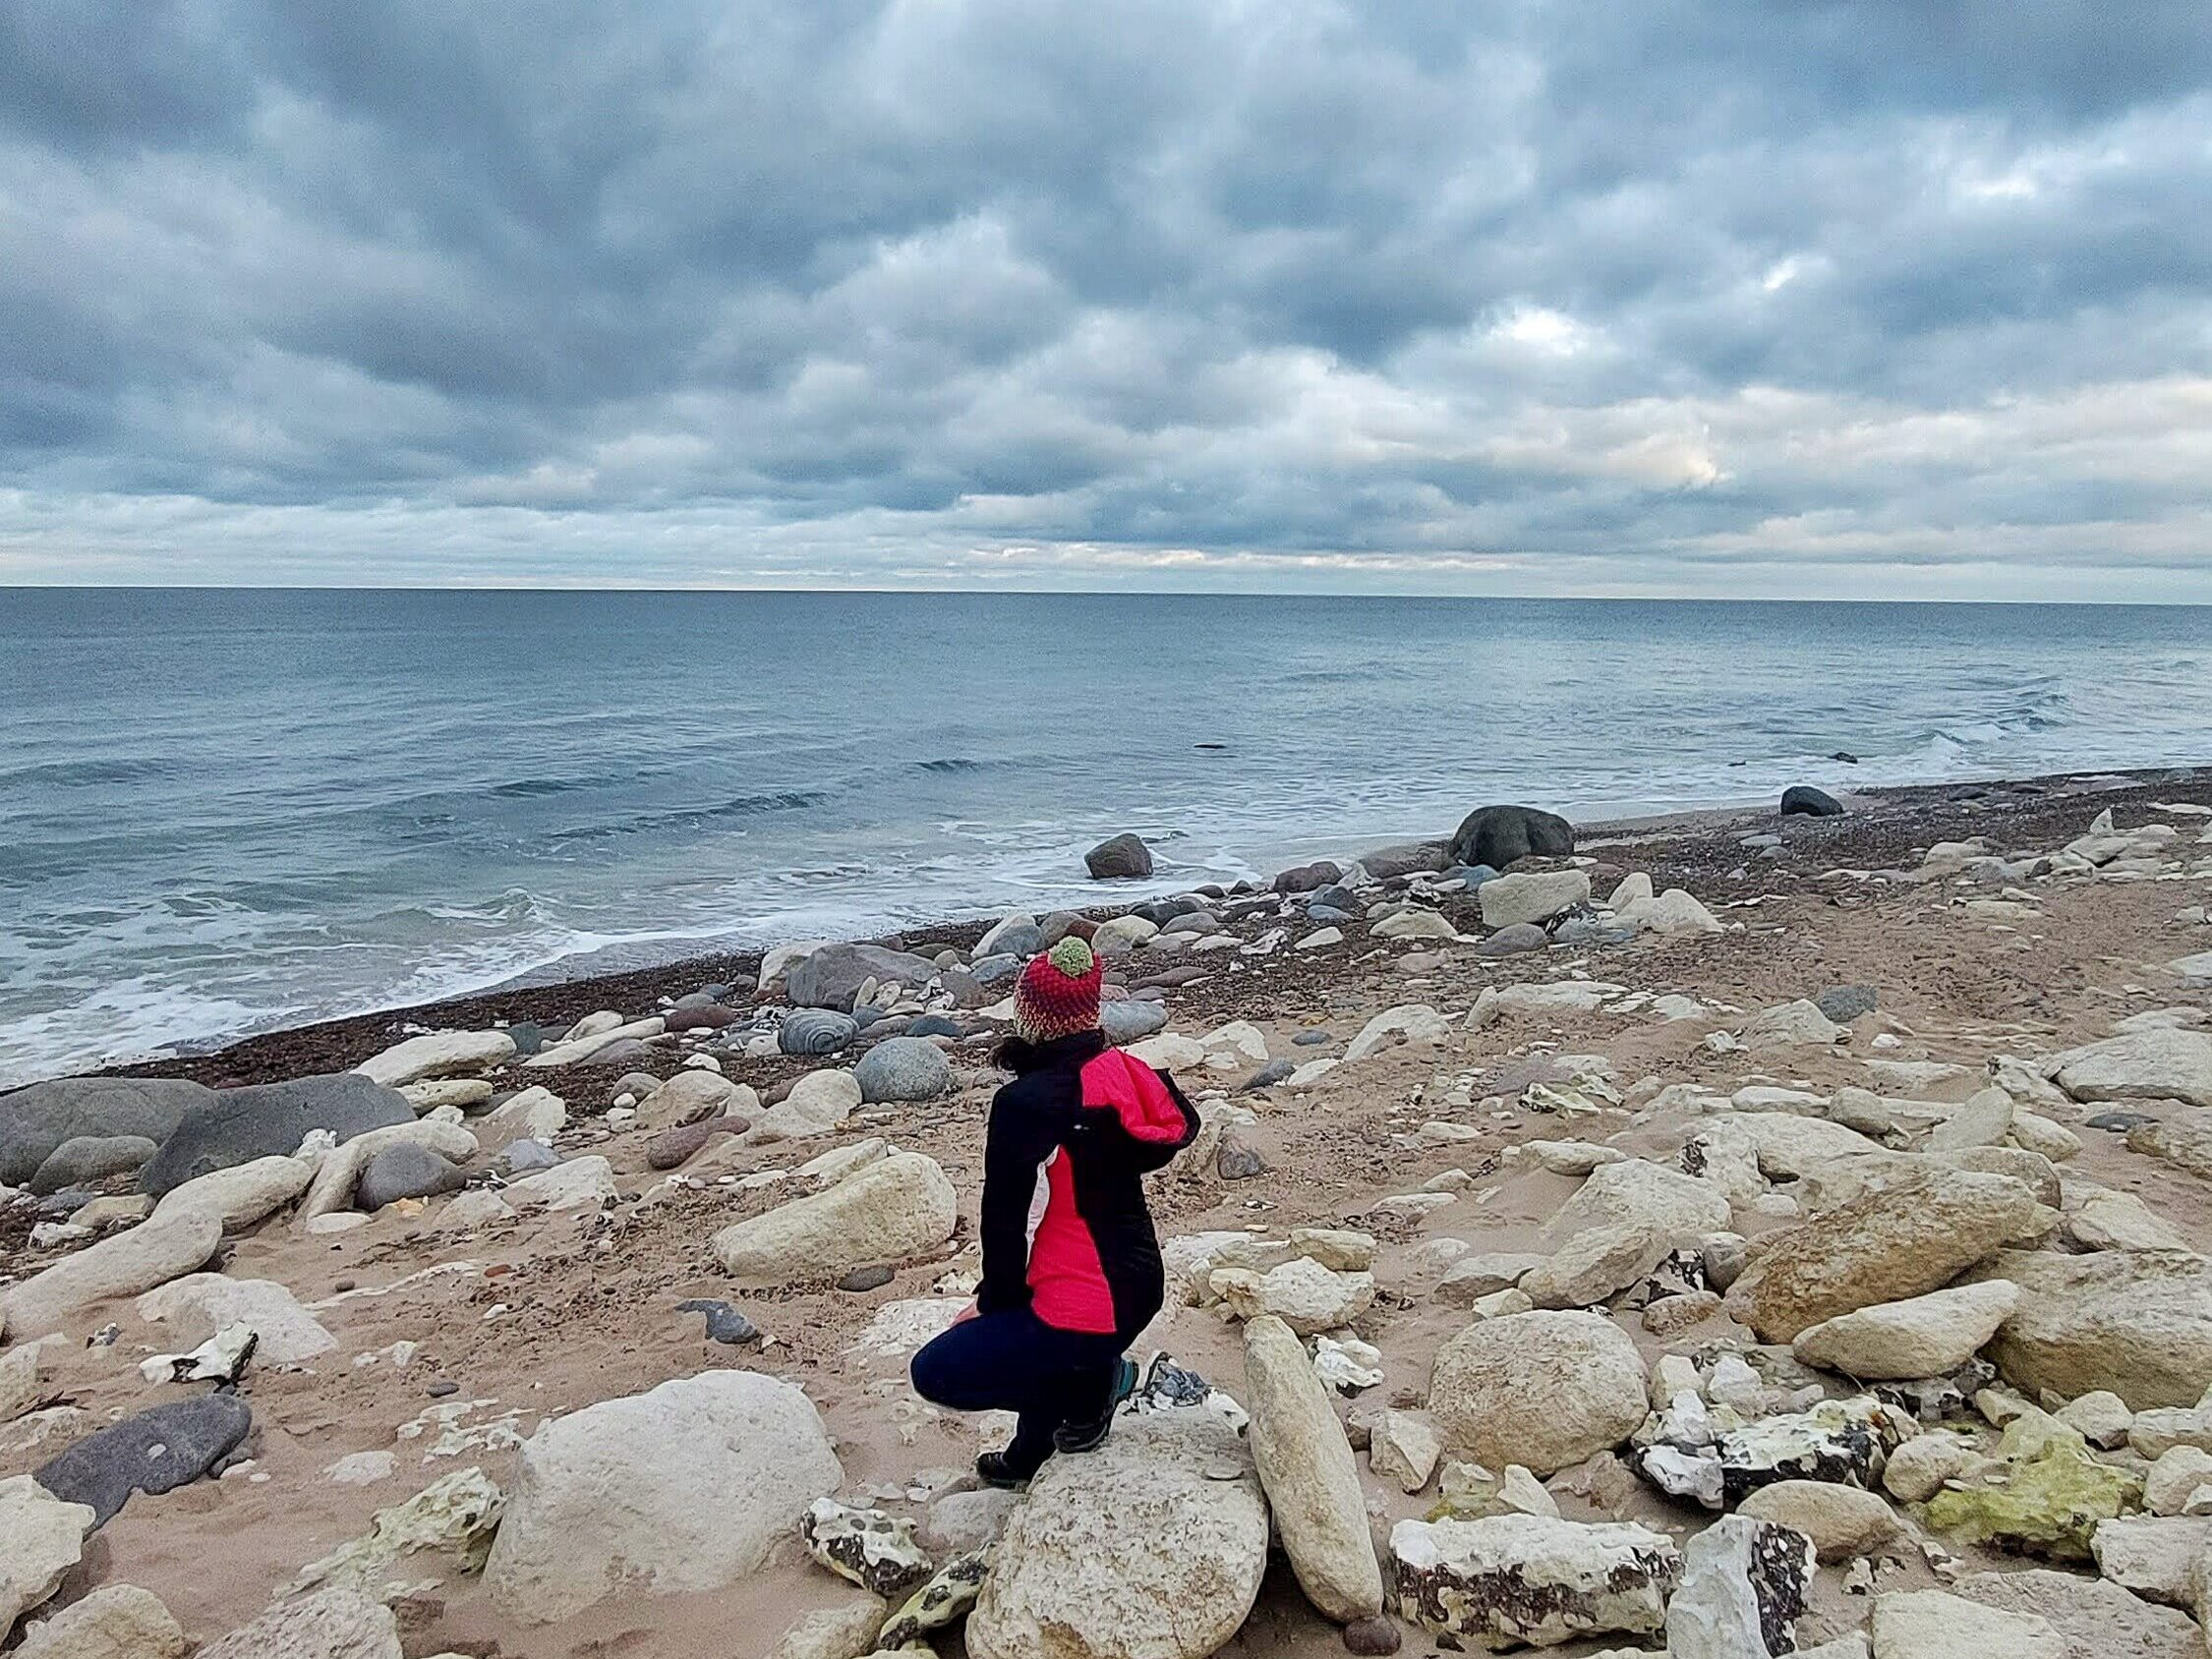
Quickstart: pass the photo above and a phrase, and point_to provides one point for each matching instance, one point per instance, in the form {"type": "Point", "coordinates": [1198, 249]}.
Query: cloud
{"type": "Point", "coordinates": [1825, 299]}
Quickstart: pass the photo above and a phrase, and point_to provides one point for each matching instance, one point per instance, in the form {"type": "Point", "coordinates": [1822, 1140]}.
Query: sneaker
{"type": "Point", "coordinates": [1089, 1434]}
{"type": "Point", "coordinates": [992, 1469]}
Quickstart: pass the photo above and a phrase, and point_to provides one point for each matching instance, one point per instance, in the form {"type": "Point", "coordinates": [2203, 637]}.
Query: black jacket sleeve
{"type": "Point", "coordinates": [1025, 1131]}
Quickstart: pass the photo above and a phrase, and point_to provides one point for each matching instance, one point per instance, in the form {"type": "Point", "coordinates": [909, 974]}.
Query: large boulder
{"type": "Point", "coordinates": [155, 1452]}
{"type": "Point", "coordinates": [1802, 800]}
{"type": "Point", "coordinates": [41, 1538]}
{"type": "Point", "coordinates": [688, 1486]}
{"type": "Point", "coordinates": [832, 977]}
{"type": "Point", "coordinates": [2096, 1617]}
{"type": "Point", "coordinates": [237, 1125]}
{"type": "Point", "coordinates": [83, 1160]}
{"type": "Point", "coordinates": [897, 1207]}
{"type": "Point", "coordinates": [1121, 857]}
{"type": "Point", "coordinates": [2136, 1323]}
{"type": "Point", "coordinates": [1517, 1579]}
{"type": "Point", "coordinates": [1543, 1390]}
{"type": "Point", "coordinates": [904, 1068]}
{"type": "Point", "coordinates": [1153, 1546]}
{"type": "Point", "coordinates": [242, 1195]}
{"type": "Point", "coordinates": [1499, 835]}
{"type": "Point", "coordinates": [123, 1264]}
{"type": "Point", "coordinates": [1929, 1335]}
{"type": "Point", "coordinates": [35, 1120]}
{"type": "Point", "coordinates": [1897, 1240]}
{"type": "Point", "coordinates": [2161, 1064]}
{"type": "Point", "coordinates": [1305, 1467]}
{"type": "Point", "coordinates": [438, 1053]}
{"type": "Point", "coordinates": [1635, 1192]}
{"type": "Point", "coordinates": [1531, 896]}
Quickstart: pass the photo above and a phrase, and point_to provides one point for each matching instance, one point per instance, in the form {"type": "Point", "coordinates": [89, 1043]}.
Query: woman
{"type": "Point", "coordinates": [1071, 1264]}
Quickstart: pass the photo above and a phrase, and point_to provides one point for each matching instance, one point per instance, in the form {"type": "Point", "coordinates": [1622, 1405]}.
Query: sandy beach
{"type": "Point", "coordinates": [1461, 1126]}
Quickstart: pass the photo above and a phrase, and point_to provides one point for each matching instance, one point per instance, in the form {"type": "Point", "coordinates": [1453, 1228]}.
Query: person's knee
{"type": "Point", "coordinates": [936, 1373]}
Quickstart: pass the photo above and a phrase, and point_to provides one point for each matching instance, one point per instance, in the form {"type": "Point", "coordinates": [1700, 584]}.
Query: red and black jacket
{"type": "Point", "coordinates": [1066, 1231]}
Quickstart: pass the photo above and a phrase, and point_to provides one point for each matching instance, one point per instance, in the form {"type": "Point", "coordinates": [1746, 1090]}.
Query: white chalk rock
{"type": "Point", "coordinates": [1519, 1578]}
{"type": "Point", "coordinates": [897, 1207]}
{"type": "Point", "coordinates": [241, 1195]}
{"type": "Point", "coordinates": [201, 1304]}
{"type": "Point", "coordinates": [576, 1184]}
{"type": "Point", "coordinates": [114, 1622]}
{"type": "Point", "coordinates": [1531, 897]}
{"type": "Point", "coordinates": [1306, 1295]}
{"type": "Point", "coordinates": [2160, 1063]}
{"type": "Point", "coordinates": [1311, 1483]}
{"type": "Point", "coordinates": [123, 1264]}
{"type": "Point", "coordinates": [438, 1053]}
{"type": "Point", "coordinates": [40, 1539]}
{"type": "Point", "coordinates": [1931, 1625]}
{"type": "Point", "coordinates": [340, 1623]}
{"type": "Point", "coordinates": [1927, 1336]}
{"type": "Point", "coordinates": [1545, 1390]}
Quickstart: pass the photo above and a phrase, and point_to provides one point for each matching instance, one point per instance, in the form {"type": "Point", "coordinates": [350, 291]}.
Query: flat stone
{"type": "Point", "coordinates": [1517, 1579]}
{"type": "Point", "coordinates": [154, 1452]}
{"type": "Point", "coordinates": [113, 1621]}
{"type": "Point", "coordinates": [1927, 1336]}
{"type": "Point", "coordinates": [1307, 1470]}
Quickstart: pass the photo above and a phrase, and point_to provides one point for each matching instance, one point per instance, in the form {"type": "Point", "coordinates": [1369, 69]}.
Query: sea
{"type": "Point", "coordinates": [223, 811]}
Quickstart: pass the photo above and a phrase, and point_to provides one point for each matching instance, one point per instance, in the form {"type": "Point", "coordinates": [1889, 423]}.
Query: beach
{"type": "Point", "coordinates": [1964, 936]}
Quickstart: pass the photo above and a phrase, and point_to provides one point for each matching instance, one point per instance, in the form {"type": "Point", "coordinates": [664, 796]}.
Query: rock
{"type": "Point", "coordinates": [1595, 1265]}
{"type": "Point", "coordinates": [724, 1324]}
{"type": "Point", "coordinates": [1802, 800]}
{"type": "Point", "coordinates": [1843, 1004]}
{"type": "Point", "coordinates": [1792, 1023]}
{"type": "Point", "coordinates": [1377, 1637]}
{"type": "Point", "coordinates": [672, 1148]}
{"type": "Point", "coordinates": [458, 1512]}
{"type": "Point", "coordinates": [2119, 1221]}
{"type": "Point", "coordinates": [527, 1156]}
{"type": "Point", "coordinates": [693, 1096]}
{"type": "Point", "coordinates": [1121, 857]}
{"type": "Point", "coordinates": [1927, 1336]}
{"type": "Point", "coordinates": [240, 1196]}
{"type": "Point", "coordinates": [1307, 1470]}
{"type": "Point", "coordinates": [1673, 912]}
{"type": "Point", "coordinates": [1544, 1390]}
{"type": "Point", "coordinates": [2154, 1557]}
{"type": "Point", "coordinates": [200, 1304]}
{"type": "Point", "coordinates": [1569, 1157]}
{"type": "Point", "coordinates": [2138, 1324]}
{"type": "Point", "coordinates": [2097, 1620]}
{"type": "Point", "coordinates": [1917, 1469]}
{"type": "Point", "coordinates": [904, 1068]}
{"type": "Point", "coordinates": [1302, 1294]}
{"type": "Point", "coordinates": [438, 1053]}
{"type": "Point", "coordinates": [686, 1487]}
{"type": "Point", "coordinates": [336, 1176]}
{"type": "Point", "coordinates": [533, 1114]}
{"type": "Point", "coordinates": [1841, 1520]}
{"type": "Point", "coordinates": [572, 1184]}
{"type": "Point", "coordinates": [1692, 1452]}
{"type": "Point", "coordinates": [2172, 1483]}
{"type": "Point", "coordinates": [1500, 835]}
{"type": "Point", "coordinates": [83, 1160]}
{"type": "Point", "coordinates": [1406, 858]}
{"type": "Point", "coordinates": [1472, 1276]}
{"type": "Point", "coordinates": [1236, 1160]}
{"type": "Point", "coordinates": [22, 1381]}
{"type": "Point", "coordinates": [1931, 1625]}
{"type": "Point", "coordinates": [866, 1547]}
{"type": "Point", "coordinates": [461, 1093]}
{"type": "Point", "coordinates": [41, 1538]}
{"type": "Point", "coordinates": [1403, 1448]}
{"type": "Point", "coordinates": [1153, 1546]}
{"type": "Point", "coordinates": [114, 1622]}
{"type": "Point", "coordinates": [1745, 1583]}
{"type": "Point", "coordinates": [123, 1264]}
{"type": "Point", "coordinates": [1413, 923]}
{"type": "Point", "coordinates": [1516, 1579]}
{"type": "Point", "coordinates": [1018, 934]}
{"type": "Point", "coordinates": [945, 1599]}
{"type": "Point", "coordinates": [815, 1031]}
{"type": "Point", "coordinates": [960, 1522]}
{"type": "Point", "coordinates": [1899, 1241]}
{"type": "Point", "coordinates": [154, 1452]}
{"type": "Point", "coordinates": [1532, 897]}
{"type": "Point", "coordinates": [270, 1120]}
{"type": "Point", "coordinates": [1984, 1120]}
{"type": "Point", "coordinates": [1130, 1020]}
{"type": "Point", "coordinates": [898, 1207]}
{"type": "Point", "coordinates": [2100, 1417]}
{"type": "Point", "coordinates": [2047, 1502]}
{"type": "Point", "coordinates": [41, 1116]}
{"type": "Point", "coordinates": [1637, 1192]}
{"type": "Point", "coordinates": [818, 1103]}
{"type": "Point", "coordinates": [2158, 1063]}
{"type": "Point", "coordinates": [838, 1632]}
{"type": "Point", "coordinates": [2183, 1140]}
{"type": "Point", "coordinates": [832, 977]}
{"type": "Point", "coordinates": [405, 1172]}
{"type": "Point", "coordinates": [1308, 878]}
{"type": "Point", "coordinates": [866, 1278]}
{"type": "Point", "coordinates": [340, 1623]}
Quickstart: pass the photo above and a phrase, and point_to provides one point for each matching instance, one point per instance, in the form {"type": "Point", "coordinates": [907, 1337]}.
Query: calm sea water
{"type": "Point", "coordinates": [223, 811]}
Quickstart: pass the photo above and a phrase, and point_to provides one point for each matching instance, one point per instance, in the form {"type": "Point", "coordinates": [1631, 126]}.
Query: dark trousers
{"type": "Point", "coordinates": [1014, 1362]}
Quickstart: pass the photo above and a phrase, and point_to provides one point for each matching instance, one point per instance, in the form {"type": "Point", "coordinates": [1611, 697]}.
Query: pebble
{"type": "Point", "coordinates": [866, 1278]}
{"type": "Point", "coordinates": [724, 1324]}
{"type": "Point", "coordinates": [440, 1391]}
{"type": "Point", "coordinates": [1375, 1636]}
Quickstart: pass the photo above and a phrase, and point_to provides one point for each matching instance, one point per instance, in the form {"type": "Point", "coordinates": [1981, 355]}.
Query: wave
{"type": "Point", "coordinates": [696, 818]}
{"type": "Point", "coordinates": [82, 774]}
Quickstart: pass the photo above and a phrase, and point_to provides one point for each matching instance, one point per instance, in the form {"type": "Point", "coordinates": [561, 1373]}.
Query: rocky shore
{"type": "Point", "coordinates": [1726, 1237]}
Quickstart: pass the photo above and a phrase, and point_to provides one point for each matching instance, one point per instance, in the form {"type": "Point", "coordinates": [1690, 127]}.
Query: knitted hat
{"type": "Point", "coordinates": [1057, 994]}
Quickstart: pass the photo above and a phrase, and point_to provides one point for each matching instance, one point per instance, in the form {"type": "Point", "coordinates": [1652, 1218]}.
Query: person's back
{"type": "Point", "coordinates": [1070, 1261]}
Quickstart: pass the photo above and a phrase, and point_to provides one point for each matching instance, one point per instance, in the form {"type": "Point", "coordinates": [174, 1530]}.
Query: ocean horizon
{"type": "Point", "coordinates": [226, 810]}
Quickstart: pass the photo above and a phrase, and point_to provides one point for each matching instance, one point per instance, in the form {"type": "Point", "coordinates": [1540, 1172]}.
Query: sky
{"type": "Point", "coordinates": [1779, 300]}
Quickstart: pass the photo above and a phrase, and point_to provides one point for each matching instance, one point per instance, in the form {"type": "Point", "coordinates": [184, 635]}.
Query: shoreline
{"type": "Point", "coordinates": [1883, 825]}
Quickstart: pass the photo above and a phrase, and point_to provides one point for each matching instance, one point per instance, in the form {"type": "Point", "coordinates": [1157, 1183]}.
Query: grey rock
{"type": "Point", "coordinates": [155, 1452]}
{"type": "Point", "coordinates": [1472, 875]}
{"type": "Point", "coordinates": [933, 1025]}
{"type": "Point", "coordinates": [1268, 1075]}
{"type": "Point", "coordinates": [270, 1120]}
{"type": "Point", "coordinates": [528, 1037]}
{"type": "Point", "coordinates": [406, 1170]}
{"type": "Point", "coordinates": [637, 1083]}
{"type": "Point", "coordinates": [626, 1050]}
{"type": "Point", "coordinates": [1161, 911]}
{"type": "Point", "coordinates": [1335, 895]}
{"type": "Point", "coordinates": [903, 1068]}
{"type": "Point", "coordinates": [816, 1031]}
{"type": "Point", "coordinates": [864, 1279]}
{"type": "Point", "coordinates": [1308, 878]}
{"type": "Point", "coordinates": [84, 1159]}
{"type": "Point", "coordinates": [2118, 1122]}
{"type": "Point", "coordinates": [1499, 835]}
{"type": "Point", "coordinates": [526, 1158]}
{"type": "Point", "coordinates": [724, 1324]}
{"type": "Point", "coordinates": [1327, 913]}
{"type": "Point", "coordinates": [1234, 1160]}
{"type": "Point", "coordinates": [696, 999]}
{"type": "Point", "coordinates": [1025, 940]}
{"type": "Point", "coordinates": [36, 1119]}
{"type": "Point", "coordinates": [1119, 858]}
{"type": "Point", "coordinates": [1406, 858]}
{"type": "Point", "coordinates": [994, 970]}
{"type": "Point", "coordinates": [1802, 800]}
{"type": "Point", "coordinates": [1375, 1637]}
{"type": "Point", "coordinates": [1513, 941]}
{"type": "Point", "coordinates": [1311, 1038]}
{"type": "Point", "coordinates": [1844, 1004]}
{"type": "Point", "coordinates": [832, 977]}
{"type": "Point", "coordinates": [1127, 1020]}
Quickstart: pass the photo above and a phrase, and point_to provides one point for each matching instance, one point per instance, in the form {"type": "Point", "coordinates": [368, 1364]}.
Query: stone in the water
{"type": "Point", "coordinates": [815, 1031]}
{"type": "Point", "coordinates": [1119, 858]}
{"type": "Point", "coordinates": [1517, 1579]}
{"type": "Point", "coordinates": [270, 1120]}
{"type": "Point", "coordinates": [1499, 835]}
{"type": "Point", "coordinates": [724, 1324]}
{"type": "Point", "coordinates": [1745, 1584]}
{"type": "Point", "coordinates": [405, 1172]}
{"type": "Point", "coordinates": [687, 1487]}
{"type": "Point", "coordinates": [155, 1452]}
{"type": "Point", "coordinates": [1802, 800]}
{"type": "Point", "coordinates": [865, 1546]}
{"type": "Point", "coordinates": [903, 1068]}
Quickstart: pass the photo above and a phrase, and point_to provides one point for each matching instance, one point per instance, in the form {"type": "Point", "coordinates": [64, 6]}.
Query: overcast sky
{"type": "Point", "coordinates": [1793, 299]}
